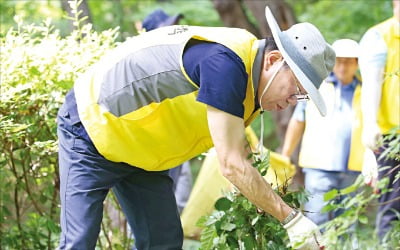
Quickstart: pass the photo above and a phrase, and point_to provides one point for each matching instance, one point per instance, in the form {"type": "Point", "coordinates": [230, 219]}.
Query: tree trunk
{"type": "Point", "coordinates": [283, 14]}
{"type": "Point", "coordinates": [84, 7]}
{"type": "Point", "coordinates": [232, 14]}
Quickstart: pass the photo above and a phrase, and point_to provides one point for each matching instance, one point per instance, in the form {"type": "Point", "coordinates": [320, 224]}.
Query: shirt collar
{"type": "Point", "coordinates": [256, 69]}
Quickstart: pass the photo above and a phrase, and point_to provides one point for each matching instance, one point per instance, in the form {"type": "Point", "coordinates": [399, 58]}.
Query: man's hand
{"type": "Point", "coordinates": [371, 135]}
{"type": "Point", "coordinates": [303, 233]}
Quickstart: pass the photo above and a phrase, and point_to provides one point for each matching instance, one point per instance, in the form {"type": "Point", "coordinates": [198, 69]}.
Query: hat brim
{"type": "Point", "coordinates": [303, 79]}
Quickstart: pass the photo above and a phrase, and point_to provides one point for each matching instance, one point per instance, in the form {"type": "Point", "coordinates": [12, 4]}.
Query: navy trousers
{"type": "Point", "coordinates": [389, 203]}
{"type": "Point", "coordinates": [146, 198]}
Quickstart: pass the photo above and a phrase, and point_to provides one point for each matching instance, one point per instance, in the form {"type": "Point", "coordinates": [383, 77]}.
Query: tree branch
{"type": "Point", "coordinates": [17, 207]}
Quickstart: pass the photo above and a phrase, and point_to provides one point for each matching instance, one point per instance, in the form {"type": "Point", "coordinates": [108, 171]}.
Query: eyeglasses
{"type": "Point", "coordinates": [300, 96]}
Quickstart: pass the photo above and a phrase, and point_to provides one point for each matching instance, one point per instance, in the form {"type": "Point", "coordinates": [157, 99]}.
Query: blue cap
{"type": "Point", "coordinates": [159, 18]}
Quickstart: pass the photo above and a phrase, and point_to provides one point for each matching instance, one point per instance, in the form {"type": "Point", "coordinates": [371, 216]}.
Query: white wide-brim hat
{"type": "Point", "coordinates": [307, 53]}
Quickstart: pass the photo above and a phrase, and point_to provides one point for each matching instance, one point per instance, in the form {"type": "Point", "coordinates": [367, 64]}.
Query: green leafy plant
{"type": "Point", "coordinates": [392, 238]}
{"type": "Point", "coordinates": [352, 228]}
{"type": "Point", "coordinates": [37, 68]}
{"type": "Point", "coordinates": [238, 224]}
{"type": "Point", "coordinates": [391, 144]}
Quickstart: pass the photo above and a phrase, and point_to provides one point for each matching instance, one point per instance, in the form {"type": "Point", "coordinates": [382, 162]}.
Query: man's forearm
{"type": "Point", "coordinates": [232, 148]}
{"type": "Point", "coordinates": [255, 188]}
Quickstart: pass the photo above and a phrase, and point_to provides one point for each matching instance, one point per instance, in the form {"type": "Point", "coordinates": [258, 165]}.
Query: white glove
{"type": "Point", "coordinates": [371, 135]}
{"type": "Point", "coordinates": [303, 233]}
{"type": "Point", "coordinates": [370, 168]}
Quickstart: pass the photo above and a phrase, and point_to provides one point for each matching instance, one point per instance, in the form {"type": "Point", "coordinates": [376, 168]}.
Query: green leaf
{"type": "Point", "coordinates": [207, 237]}
{"type": "Point", "coordinates": [247, 205]}
{"type": "Point", "coordinates": [254, 221]}
{"type": "Point", "coordinates": [201, 222]}
{"type": "Point", "coordinates": [240, 220]}
{"type": "Point", "coordinates": [227, 226]}
{"type": "Point", "coordinates": [223, 204]}
{"type": "Point", "coordinates": [214, 217]}
{"type": "Point", "coordinates": [118, 247]}
{"type": "Point", "coordinates": [220, 240]}
{"type": "Point", "coordinates": [217, 226]}
{"type": "Point", "coordinates": [5, 211]}
{"type": "Point", "coordinates": [331, 195]}
{"type": "Point", "coordinates": [19, 128]}
{"type": "Point", "coordinates": [249, 242]}
{"type": "Point", "coordinates": [327, 208]}
{"type": "Point", "coordinates": [52, 226]}
{"type": "Point", "coordinates": [363, 219]}
{"type": "Point", "coordinates": [348, 189]}
{"type": "Point", "coordinates": [288, 198]}
{"type": "Point", "coordinates": [232, 242]}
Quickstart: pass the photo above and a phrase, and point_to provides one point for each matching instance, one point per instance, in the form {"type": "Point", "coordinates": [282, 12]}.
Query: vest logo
{"type": "Point", "coordinates": [179, 29]}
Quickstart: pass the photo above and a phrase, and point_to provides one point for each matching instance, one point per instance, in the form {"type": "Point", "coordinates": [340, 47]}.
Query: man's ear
{"type": "Point", "coordinates": [271, 57]}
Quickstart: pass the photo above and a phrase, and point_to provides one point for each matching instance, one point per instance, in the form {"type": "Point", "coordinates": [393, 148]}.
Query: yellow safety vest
{"type": "Point", "coordinates": [314, 152]}
{"type": "Point", "coordinates": [389, 111]}
{"type": "Point", "coordinates": [139, 106]}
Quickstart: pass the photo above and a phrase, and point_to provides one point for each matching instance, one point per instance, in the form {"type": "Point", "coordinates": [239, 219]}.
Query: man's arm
{"type": "Point", "coordinates": [227, 132]}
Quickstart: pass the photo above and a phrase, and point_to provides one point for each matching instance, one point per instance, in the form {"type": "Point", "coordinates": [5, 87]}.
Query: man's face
{"type": "Point", "coordinates": [281, 92]}
{"type": "Point", "coordinates": [345, 69]}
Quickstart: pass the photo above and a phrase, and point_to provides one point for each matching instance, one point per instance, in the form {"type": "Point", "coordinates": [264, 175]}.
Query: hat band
{"type": "Point", "coordinates": [300, 60]}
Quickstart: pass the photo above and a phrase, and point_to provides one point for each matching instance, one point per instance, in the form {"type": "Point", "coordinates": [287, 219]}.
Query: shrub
{"type": "Point", "coordinates": [353, 229]}
{"type": "Point", "coordinates": [238, 224]}
{"type": "Point", "coordinates": [37, 69]}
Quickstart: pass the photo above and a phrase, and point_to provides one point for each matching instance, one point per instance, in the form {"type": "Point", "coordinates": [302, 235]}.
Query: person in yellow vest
{"type": "Point", "coordinates": [380, 70]}
{"type": "Point", "coordinates": [331, 152]}
{"type": "Point", "coordinates": [165, 96]}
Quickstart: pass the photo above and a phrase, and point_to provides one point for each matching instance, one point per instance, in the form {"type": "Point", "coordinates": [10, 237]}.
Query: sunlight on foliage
{"type": "Point", "coordinates": [354, 228]}
{"type": "Point", "coordinates": [37, 68]}
{"type": "Point", "coordinates": [238, 224]}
